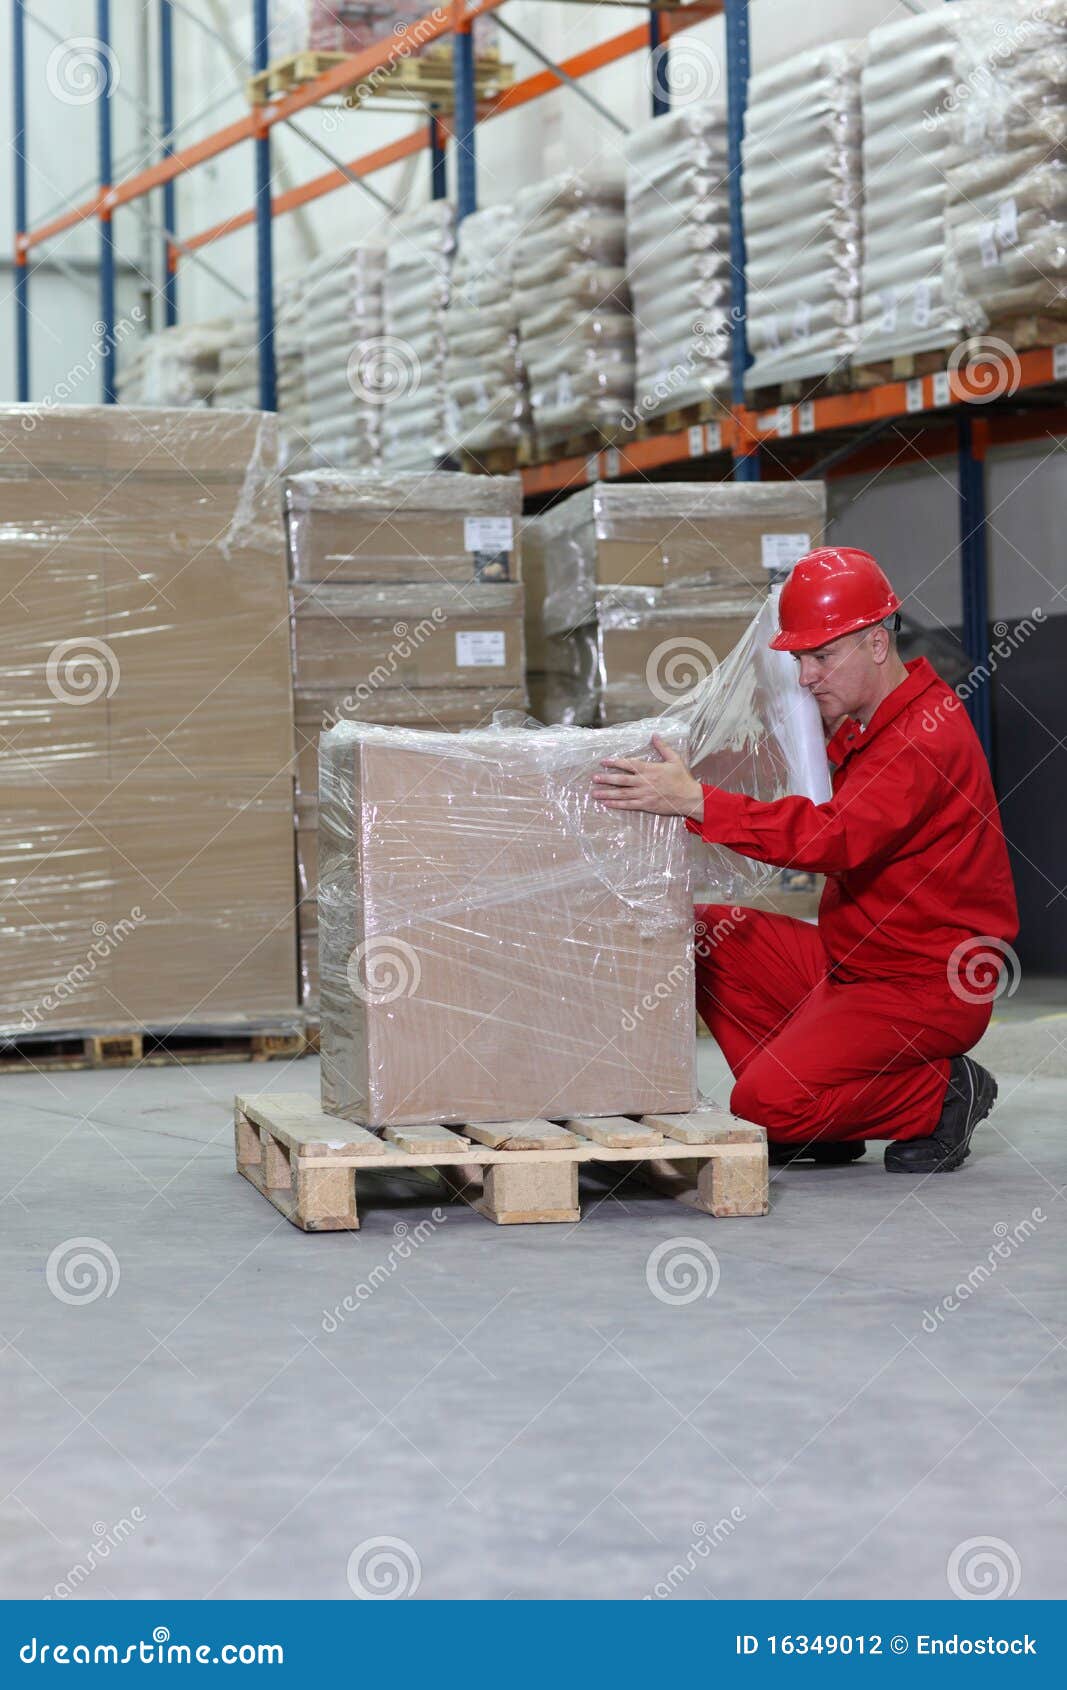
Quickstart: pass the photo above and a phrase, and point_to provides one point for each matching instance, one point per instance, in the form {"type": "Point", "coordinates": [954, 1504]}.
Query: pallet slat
{"type": "Point", "coordinates": [60, 1052]}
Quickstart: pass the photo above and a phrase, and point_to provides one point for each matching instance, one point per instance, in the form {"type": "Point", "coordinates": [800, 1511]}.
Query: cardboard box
{"type": "Point", "coordinates": [417, 636]}
{"type": "Point", "coordinates": [652, 654]}
{"type": "Point", "coordinates": [495, 944]}
{"type": "Point", "coordinates": [349, 527]}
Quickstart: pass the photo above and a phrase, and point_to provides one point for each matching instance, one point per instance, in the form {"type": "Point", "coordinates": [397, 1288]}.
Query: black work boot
{"type": "Point", "coordinates": [971, 1094]}
{"type": "Point", "coordinates": [833, 1154]}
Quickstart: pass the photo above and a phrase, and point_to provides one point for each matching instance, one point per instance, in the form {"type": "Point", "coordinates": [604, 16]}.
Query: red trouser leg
{"type": "Point", "coordinates": [814, 1058]}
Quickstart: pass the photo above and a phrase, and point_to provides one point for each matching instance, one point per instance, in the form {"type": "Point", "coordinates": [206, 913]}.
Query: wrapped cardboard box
{"type": "Point", "coordinates": [444, 708]}
{"type": "Point", "coordinates": [654, 648]}
{"type": "Point", "coordinates": [418, 636]}
{"type": "Point", "coordinates": [145, 721]}
{"type": "Point", "coordinates": [494, 943]}
{"type": "Point", "coordinates": [348, 528]}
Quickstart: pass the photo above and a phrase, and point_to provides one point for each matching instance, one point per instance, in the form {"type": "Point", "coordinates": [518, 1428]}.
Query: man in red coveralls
{"type": "Point", "coordinates": [855, 1029]}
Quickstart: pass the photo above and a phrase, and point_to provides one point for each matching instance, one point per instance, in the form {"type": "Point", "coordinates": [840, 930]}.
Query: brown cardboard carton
{"type": "Point", "coordinates": [650, 658]}
{"type": "Point", "coordinates": [494, 944]}
{"type": "Point", "coordinates": [417, 636]}
{"type": "Point", "coordinates": [348, 526]}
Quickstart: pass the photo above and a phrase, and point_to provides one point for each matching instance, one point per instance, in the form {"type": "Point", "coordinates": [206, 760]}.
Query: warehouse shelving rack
{"type": "Point", "coordinates": [930, 416]}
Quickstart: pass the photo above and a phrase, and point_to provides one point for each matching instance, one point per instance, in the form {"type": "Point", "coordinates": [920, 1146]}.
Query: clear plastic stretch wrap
{"type": "Point", "coordinates": [803, 208]}
{"type": "Point", "coordinates": [293, 419]}
{"type": "Point", "coordinates": [576, 332]}
{"type": "Point", "coordinates": [909, 77]}
{"type": "Point", "coordinates": [403, 526]}
{"type": "Point", "coordinates": [427, 635]}
{"type": "Point", "coordinates": [410, 372]}
{"type": "Point", "coordinates": [495, 944]}
{"type": "Point", "coordinates": [488, 401]}
{"type": "Point", "coordinates": [723, 537]}
{"type": "Point", "coordinates": [145, 721]}
{"type": "Point", "coordinates": [752, 729]}
{"type": "Point", "coordinates": [176, 367]}
{"type": "Point", "coordinates": [346, 372]}
{"type": "Point", "coordinates": [237, 387]}
{"type": "Point", "coordinates": [1007, 170]}
{"type": "Point", "coordinates": [678, 257]}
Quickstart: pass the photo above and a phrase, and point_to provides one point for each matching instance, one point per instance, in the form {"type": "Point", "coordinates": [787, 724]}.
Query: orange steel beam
{"type": "Point", "coordinates": [316, 188]}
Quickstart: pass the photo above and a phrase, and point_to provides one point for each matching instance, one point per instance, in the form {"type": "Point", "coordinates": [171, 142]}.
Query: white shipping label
{"type": "Point", "coordinates": [1008, 224]}
{"type": "Point", "coordinates": [1059, 362]}
{"type": "Point", "coordinates": [806, 416]}
{"type": "Point", "coordinates": [987, 244]}
{"type": "Point", "coordinates": [922, 306]}
{"type": "Point", "coordinates": [913, 394]}
{"type": "Point", "coordinates": [780, 551]}
{"type": "Point", "coordinates": [488, 533]}
{"type": "Point", "coordinates": [888, 320]}
{"type": "Point", "coordinates": [480, 648]}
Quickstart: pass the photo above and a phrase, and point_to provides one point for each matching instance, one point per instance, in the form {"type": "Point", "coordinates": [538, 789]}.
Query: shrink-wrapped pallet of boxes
{"type": "Point", "coordinates": [678, 257]}
{"type": "Point", "coordinates": [646, 588]}
{"type": "Point", "coordinates": [576, 333]}
{"type": "Point", "coordinates": [907, 86]}
{"type": "Point", "coordinates": [493, 974]}
{"type": "Point", "coordinates": [346, 370]}
{"type": "Point", "coordinates": [407, 611]}
{"type": "Point", "coordinates": [410, 366]}
{"type": "Point", "coordinates": [488, 400]}
{"type": "Point", "coordinates": [803, 208]}
{"type": "Point", "coordinates": [1006, 246]}
{"type": "Point", "coordinates": [146, 852]}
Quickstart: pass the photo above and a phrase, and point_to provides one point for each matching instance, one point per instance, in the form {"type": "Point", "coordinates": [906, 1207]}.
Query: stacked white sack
{"type": "Point", "coordinates": [175, 367]}
{"type": "Point", "coordinates": [237, 387]}
{"type": "Point", "coordinates": [803, 205]}
{"type": "Point", "coordinates": [1006, 246]}
{"type": "Point", "coordinates": [575, 328]}
{"type": "Point", "coordinates": [289, 367]}
{"type": "Point", "coordinates": [342, 350]}
{"type": "Point", "coordinates": [678, 257]}
{"type": "Point", "coordinates": [488, 404]}
{"type": "Point", "coordinates": [411, 371]}
{"type": "Point", "coordinates": [907, 88]}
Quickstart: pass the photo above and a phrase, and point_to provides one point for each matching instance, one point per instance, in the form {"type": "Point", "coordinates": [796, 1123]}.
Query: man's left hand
{"type": "Point", "coordinates": [663, 789]}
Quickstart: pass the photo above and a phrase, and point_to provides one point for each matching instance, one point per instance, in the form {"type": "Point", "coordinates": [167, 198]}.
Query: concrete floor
{"type": "Point", "coordinates": [513, 1409]}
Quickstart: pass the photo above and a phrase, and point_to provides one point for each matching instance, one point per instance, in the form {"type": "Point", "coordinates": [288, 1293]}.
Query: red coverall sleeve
{"type": "Point", "coordinates": [874, 813]}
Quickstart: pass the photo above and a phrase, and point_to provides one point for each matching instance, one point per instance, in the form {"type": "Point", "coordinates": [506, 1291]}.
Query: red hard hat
{"type": "Point", "coordinates": [833, 591]}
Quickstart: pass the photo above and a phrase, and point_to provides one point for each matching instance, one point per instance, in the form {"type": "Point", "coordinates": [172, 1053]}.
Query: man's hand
{"type": "Point", "coordinates": [663, 789]}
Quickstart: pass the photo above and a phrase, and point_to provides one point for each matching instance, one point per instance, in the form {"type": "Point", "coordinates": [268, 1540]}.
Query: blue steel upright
{"type": "Point", "coordinates": [22, 279]}
{"type": "Point", "coordinates": [170, 192]}
{"type": "Point", "coordinates": [264, 227]}
{"type": "Point", "coordinates": [737, 61]}
{"type": "Point", "coordinates": [660, 61]}
{"type": "Point", "coordinates": [438, 169]}
{"type": "Point", "coordinates": [107, 241]}
{"type": "Point", "coordinates": [463, 129]}
{"type": "Point", "coordinates": [974, 574]}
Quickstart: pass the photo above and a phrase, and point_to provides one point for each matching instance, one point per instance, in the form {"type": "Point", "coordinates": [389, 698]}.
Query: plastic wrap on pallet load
{"type": "Point", "coordinates": [495, 944]}
{"type": "Point", "coordinates": [411, 364]}
{"type": "Point", "coordinates": [145, 717]}
{"type": "Point", "coordinates": [293, 420]}
{"type": "Point", "coordinates": [803, 208]}
{"type": "Point", "coordinates": [719, 536]}
{"type": "Point", "coordinates": [347, 369]}
{"type": "Point", "coordinates": [404, 526]}
{"type": "Point", "coordinates": [427, 635]}
{"type": "Point", "coordinates": [1006, 249]}
{"type": "Point", "coordinates": [488, 400]}
{"type": "Point", "coordinates": [752, 729]}
{"type": "Point", "coordinates": [678, 257]}
{"type": "Point", "coordinates": [654, 645]}
{"type": "Point", "coordinates": [336, 26]}
{"type": "Point", "coordinates": [145, 594]}
{"type": "Point", "coordinates": [575, 327]}
{"type": "Point", "coordinates": [160, 902]}
{"type": "Point", "coordinates": [906, 85]}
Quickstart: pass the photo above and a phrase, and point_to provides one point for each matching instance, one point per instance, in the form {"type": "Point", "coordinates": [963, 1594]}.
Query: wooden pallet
{"type": "Point", "coordinates": [495, 460]}
{"type": "Point", "coordinates": [684, 416]}
{"type": "Point", "coordinates": [288, 73]}
{"type": "Point", "coordinates": [427, 79]}
{"type": "Point", "coordinates": [533, 450]}
{"type": "Point", "coordinates": [1026, 332]}
{"type": "Point", "coordinates": [800, 389]}
{"type": "Point", "coordinates": [55, 1052]}
{"type": "Point", "coordinates": [308, 1164]}
{"type": "Point", "coordinates": [906, 366]}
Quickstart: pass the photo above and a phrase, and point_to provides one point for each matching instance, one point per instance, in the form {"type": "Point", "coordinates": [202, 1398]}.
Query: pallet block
{"type": "Point", "coordinates": [307, 1163]}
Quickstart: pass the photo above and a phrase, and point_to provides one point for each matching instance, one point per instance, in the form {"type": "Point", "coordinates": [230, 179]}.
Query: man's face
{"type": "Point", "coordinates": [843, 674]}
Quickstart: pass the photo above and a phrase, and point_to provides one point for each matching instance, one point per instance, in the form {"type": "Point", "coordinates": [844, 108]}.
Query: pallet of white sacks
{"type": "Point", "coordinates": [309, 1164]}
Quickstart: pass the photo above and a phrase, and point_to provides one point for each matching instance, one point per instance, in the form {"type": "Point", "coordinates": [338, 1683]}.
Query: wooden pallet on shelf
{"type": "Point", "coordinates": [54, 1052]}
{"type": "Point", "coordinates": [288, 73]}
{"type": "Point", "coordinates": [582, 444]}
{"type": "Point", "coordinates": [495, 460]}
{"type": "Point", "coordinates": [702, 411]}
{"type": "Point", "coordinates": [426, 79]}
{"type": "Point", "coordinates": [309, 1164]}
{"type": "Point", "coordinates": [906, 366]}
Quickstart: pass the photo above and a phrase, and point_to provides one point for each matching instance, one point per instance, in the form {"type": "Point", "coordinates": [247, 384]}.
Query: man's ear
{"type": "Point", "coordinates": [879, 639]}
